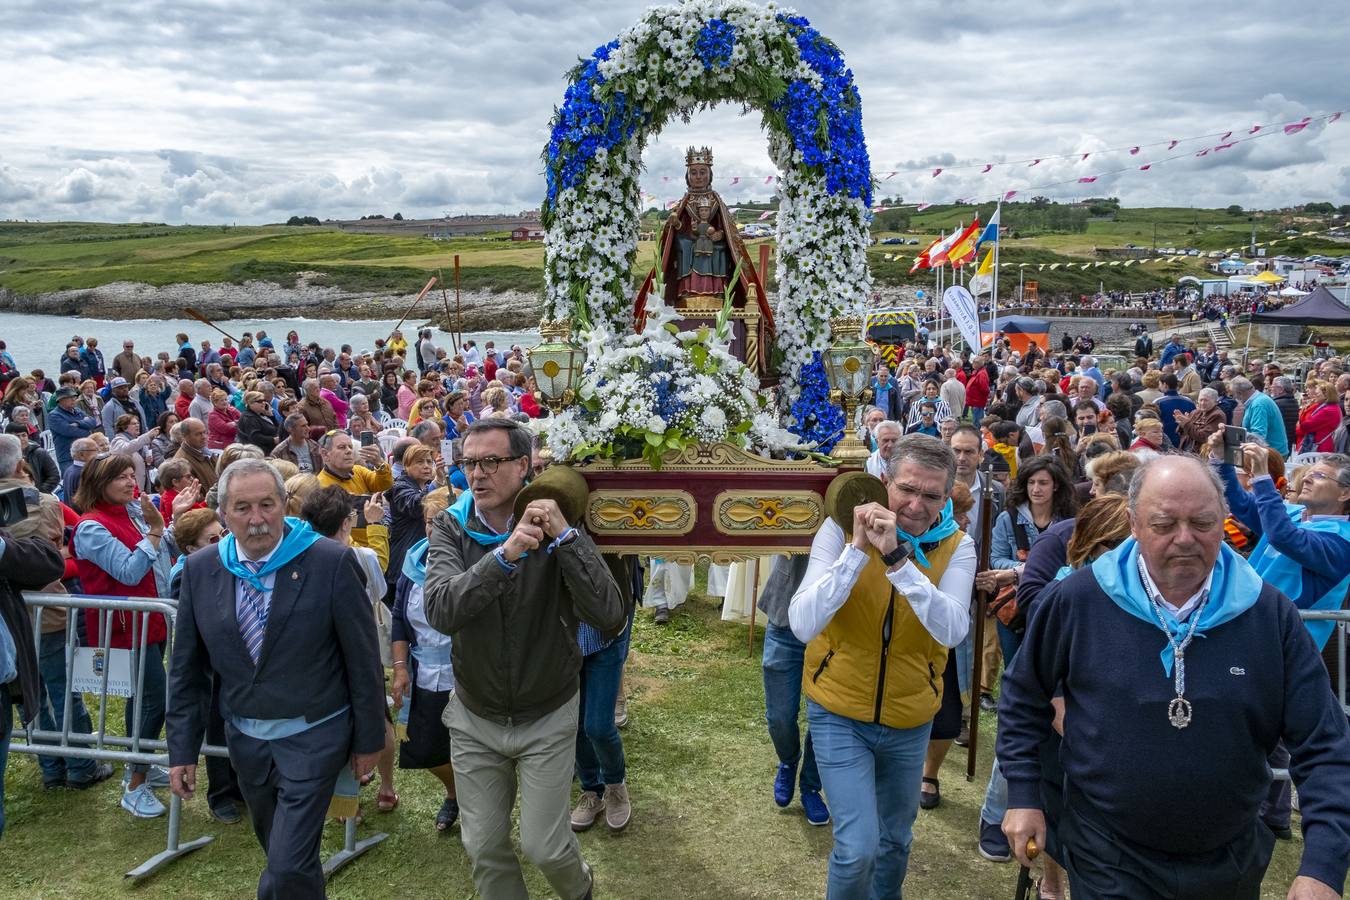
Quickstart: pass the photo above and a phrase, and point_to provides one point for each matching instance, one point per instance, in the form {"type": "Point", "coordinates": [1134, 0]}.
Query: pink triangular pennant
{"type": "Point", "coordinates": [923, 206]}
{"type": "Point", "coordinates": [1173, 144]}
{"type": "Point", "coordinates": [1008, 196]}
{"type": "Point", "coordinates": [1034, 162]}
{"type": "Point", "coordinates": [1255, 129]}
{"type": "Point", "coordinates": [1333, 117]}
{"type": "Point", "coordinates": [988, 166]}
{"type": "Point", "coordinates": [889, 176]}
{"type": "Point", "coordinates": [1202, 152]}
{"type": "Point", "coordinates": [736, 180]}
{"type": "Point", "coordinates": [1087, 180]}
{"type": "Point", "coordinates": [766, 214]}
{"type": "Point", "coordinates": [1145, 167]}
{"type": "Point", "coordinates": [937, 172]}
{"type": "Point", "coordinates": [1297, 126]}
{"type": "Point", "coordinates": [1226, 136]}
{"type": "Point", "coordinates": [768, 180]}
{"type": "Point", "coordinates": [1134, 151]}
{"type": "Point", "coordinates": [1085, 156]}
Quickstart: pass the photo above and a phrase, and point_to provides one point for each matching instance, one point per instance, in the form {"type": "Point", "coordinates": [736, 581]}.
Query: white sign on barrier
{"type": "Point", "coordinates": [89, 665]}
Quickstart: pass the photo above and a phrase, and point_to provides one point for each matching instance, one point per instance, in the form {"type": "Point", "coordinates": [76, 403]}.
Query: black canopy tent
{"type": "Point", "coordinates": [1321, 307]}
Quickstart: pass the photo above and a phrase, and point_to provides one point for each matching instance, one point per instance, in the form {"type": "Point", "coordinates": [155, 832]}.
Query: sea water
{"type": "Point", "coordinates": [39, 342]}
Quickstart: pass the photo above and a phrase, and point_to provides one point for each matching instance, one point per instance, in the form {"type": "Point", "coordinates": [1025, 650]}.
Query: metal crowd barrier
{"type": "Point", "coordinates": [101, 746]}
{"type": "Point", "coordinates": [1338, 639]}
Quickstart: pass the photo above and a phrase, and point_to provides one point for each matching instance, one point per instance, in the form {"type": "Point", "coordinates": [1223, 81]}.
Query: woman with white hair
{"type": "Point", "coordinates": [1196, 426]}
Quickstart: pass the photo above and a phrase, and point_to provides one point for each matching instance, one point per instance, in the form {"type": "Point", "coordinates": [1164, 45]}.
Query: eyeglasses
{"type": "Point", "coordinates": [909, 492]}
{"type": "Point", "coordinates": [1316, 475]}
{"type": "Point", "coordinates": [213, 539]}
{"type": "Point", "coordinates": [488, 464]}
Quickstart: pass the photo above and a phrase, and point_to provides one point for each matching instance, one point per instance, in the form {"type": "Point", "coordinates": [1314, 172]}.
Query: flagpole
{"type": "Point", "coordinates": [993, 293]}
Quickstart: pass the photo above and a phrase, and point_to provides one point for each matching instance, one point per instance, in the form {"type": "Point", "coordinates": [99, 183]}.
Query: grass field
{"type": "Point", "coordinates": [42, 257]}
{"type": "Point", "coordinates": [704, 826]}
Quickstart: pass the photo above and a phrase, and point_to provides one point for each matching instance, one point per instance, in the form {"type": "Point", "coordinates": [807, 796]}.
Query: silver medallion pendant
{"type": "Point", "coordinates": [1179, 712]}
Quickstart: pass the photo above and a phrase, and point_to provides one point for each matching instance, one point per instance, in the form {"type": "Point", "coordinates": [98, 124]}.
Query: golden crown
{"type": "Point", "coordinates": [701, 156]}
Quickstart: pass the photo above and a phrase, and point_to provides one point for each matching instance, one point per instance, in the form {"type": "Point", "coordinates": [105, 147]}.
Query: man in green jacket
{"type": "Point", "coordinates": [512, 594]}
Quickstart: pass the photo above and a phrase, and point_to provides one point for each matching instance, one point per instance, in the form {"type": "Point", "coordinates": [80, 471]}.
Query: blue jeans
{"type": "Point", "coordinates": [6, 728]}
{"type": "Point", "coordinates": [871, 775]}
{"type": "Point", "coordinates": [976, 414]}
{"type": "Point", "coordinates": [996, 794]}
{"type": "Point", "coordinates": [599, 747]}
{"type": "Point", "coordinates": [783, 655]}
{"type": "Point", "coordinates": [152, 699]}
{"type": "Point", "coordinates": [52, 666]}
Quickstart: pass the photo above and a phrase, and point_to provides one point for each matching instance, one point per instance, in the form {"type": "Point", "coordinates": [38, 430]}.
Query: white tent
{"type": "Point", "coordinates": [1291, 292]}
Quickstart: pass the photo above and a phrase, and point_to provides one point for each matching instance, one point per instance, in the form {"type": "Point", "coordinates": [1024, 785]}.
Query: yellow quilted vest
{"type": "Point", "coordinates": [853, 669]}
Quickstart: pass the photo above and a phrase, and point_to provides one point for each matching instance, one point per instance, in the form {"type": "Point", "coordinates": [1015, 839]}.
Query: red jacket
{"type": "Point", "coordinates": [125, 626]}
{"type": "Point", "coordinates": [221, 427]}
{"type": "Point", "coordinates": [182, 405]}
{"type": "Point", "coordinates": [1318, 423]}
{"type": "Point", "coordinates": [977, 389]}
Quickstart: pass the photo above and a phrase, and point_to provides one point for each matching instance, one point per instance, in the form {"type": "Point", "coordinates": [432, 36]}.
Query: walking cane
{"type": "Point", "coordinates": [1026, 888]}
{"type": "Point", "coordinates": [981, 606]}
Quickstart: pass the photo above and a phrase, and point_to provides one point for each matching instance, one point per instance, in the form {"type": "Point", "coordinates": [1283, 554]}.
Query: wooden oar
{"type": "Point", "coordinates": [205, 321]}
{"type": "Point", "coordinates": [423, 293]}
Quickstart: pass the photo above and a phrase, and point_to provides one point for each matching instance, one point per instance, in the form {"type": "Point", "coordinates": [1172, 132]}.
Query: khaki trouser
{"type": "Point", "coordinates": [489, 760]}
{"type": "Point", "coordinates": [990, 660]}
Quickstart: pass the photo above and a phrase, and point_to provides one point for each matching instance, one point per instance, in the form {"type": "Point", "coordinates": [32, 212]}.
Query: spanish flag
{"type": "Point", "coordinates": [963, 251]}
{"type": "Point", "coordinates": [921, 261]}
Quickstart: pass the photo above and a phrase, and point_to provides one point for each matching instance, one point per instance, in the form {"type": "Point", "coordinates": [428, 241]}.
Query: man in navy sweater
{"type": "Point", "coordinates": [1164, 740]}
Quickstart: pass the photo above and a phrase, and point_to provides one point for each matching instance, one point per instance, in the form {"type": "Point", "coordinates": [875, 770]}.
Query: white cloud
{"type": "Point", "coordinates": [219, 112]}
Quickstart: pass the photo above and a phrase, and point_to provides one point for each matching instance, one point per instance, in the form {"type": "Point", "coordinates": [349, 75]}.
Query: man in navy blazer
{"type": "Point", "coordinates": [281, 616]}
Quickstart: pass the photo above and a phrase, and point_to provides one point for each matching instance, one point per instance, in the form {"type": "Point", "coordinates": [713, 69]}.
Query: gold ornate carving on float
{"type": "Point", "coordinates": [787, 512]}
{"type": "Point", "coordinates": [620, 512]}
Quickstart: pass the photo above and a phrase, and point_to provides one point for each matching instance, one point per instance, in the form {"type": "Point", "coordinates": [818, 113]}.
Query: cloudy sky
{"type": "Point", "coordinates": [199, 111]}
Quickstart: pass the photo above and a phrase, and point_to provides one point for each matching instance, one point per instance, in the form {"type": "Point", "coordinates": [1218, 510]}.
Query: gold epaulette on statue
{"type": "Point", "coordinates": [700, 302]}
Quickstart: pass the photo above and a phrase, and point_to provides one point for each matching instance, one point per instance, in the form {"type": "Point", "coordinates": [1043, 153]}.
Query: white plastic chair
{"type": "Point", "coordinates": [401, 424]}
{"type": "Point", "coordinates": [387, 440]}
{"type": "Point", "coordinates": [48, 441]}
{"type": "Point", "coordinates": [1306, 459]}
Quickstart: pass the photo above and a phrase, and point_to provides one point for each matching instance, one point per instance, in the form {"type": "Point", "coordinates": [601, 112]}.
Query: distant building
{"type": "Point", "coordinates": [526, 233]}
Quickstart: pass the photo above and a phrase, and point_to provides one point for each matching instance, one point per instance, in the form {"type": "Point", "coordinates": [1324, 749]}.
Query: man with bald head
{"type": "Point", "coordinates": [1165, 738]}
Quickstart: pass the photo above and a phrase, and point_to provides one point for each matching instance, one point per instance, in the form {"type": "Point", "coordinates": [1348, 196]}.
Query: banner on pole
{"type": "Point", "coordinates": [961, 306]}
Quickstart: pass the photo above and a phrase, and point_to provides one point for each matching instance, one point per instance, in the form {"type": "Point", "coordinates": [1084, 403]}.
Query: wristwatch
{"type": "Point", "coordinates": [902, 552]}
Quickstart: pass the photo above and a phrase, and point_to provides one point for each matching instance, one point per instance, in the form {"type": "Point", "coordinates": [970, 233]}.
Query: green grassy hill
{"type": "Point", "coordinates": [41, 257]}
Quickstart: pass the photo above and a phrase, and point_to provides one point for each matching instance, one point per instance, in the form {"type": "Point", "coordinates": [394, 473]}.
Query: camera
{"type": "Point", "coordinates": [13, 506]}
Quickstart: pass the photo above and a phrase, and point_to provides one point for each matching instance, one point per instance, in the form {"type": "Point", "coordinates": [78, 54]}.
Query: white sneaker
{"type": "Point", "coordinates": [156, 777]}
{"type": "Point", "coordinates": [142, 803]}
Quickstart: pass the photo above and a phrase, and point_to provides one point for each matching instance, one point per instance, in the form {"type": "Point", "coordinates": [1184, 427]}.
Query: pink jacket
{"type": "Point", "coordinates": [221, 427]}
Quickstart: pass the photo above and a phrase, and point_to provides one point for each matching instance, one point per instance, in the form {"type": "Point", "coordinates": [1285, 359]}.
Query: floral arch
{"type": "Point", "coordinates": [677, 60]}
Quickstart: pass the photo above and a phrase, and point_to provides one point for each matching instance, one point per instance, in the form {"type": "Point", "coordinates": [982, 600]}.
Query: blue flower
{"type": "Point", "coordinates": [714, 42]}
{"type": "Point", "coordinates": [814, 417]}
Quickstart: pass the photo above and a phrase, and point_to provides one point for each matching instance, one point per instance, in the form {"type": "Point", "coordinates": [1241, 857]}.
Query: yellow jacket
{"type": "Point", "coordinates": [875, 661]}
{"type": "Point", "coordinates": [366, 481]}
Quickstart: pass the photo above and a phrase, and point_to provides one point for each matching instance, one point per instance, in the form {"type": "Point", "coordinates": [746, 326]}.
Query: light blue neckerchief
{"type": "Point", "coordinates": [298, 538]}
{"type": "Point", "coordinates": [460, 511]}
{"type": "Point", "coordinates": [1232, 592]}
{"type": "Point", "coordinates": [943, 528]}
{"type": "Point", "coordinates": [1285, 575]}
{"type": "Point", "coordinates": [415, 562]}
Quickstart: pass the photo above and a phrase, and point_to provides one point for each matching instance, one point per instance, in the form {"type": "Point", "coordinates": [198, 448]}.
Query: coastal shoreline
{"type": "Point", "coordinates": [478, 310]}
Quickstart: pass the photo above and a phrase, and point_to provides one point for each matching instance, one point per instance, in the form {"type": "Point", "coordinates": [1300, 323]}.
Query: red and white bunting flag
{"type": "Point", "coordinates": [1173, 144]}
{"type": "Point", "coordinates": [1226, 136]}
{"type": "Point", "coordinates": [766, 214]}
{"type": "Point", "coordinates": [768, 179]}
{"type": "Point", "coordinates": [1333, 117]}
{"type": "Point", "coordinates": [922, 206]}
{"type": "Point", "coordinates": [1087, 180]}
{"type": "Point", "coordinates": [1297, 126]}
{"type": "Point", "coordinates": [1145, 167]}
{"type": "Point", "coordinates": [937, 172]}
{"type": "Point", "coordinates": [889, 176]}
{"type": "Point", "coordinates": [736, 180]}
{"type": "Point", "coordinates": [1034, 162]}
{"type": "Point", "coordinates": [1134, 151]}
{"type": "Point", "coordinates": [1008, 196]}
{"type": "Point", "coordinates": [1085, 156]}
{"type": "Point", "coordinates": [1255, 129]}
{"type": "Point", "coordinates": [988, 166]}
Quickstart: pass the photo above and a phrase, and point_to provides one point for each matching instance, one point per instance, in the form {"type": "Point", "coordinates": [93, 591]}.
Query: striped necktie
{"type": "Point", "coordinates": [253, 615]}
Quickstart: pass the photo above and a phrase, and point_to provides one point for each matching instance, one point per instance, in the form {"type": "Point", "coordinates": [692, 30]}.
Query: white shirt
{"type": "Point", "coordinates": [434, 672]}
{"type": "Point", "coordinates": [875, 465]}
{"type": "Point", "coordinates": [1178, 612]}
{"type": "Point", "coordinates": [834, 568]}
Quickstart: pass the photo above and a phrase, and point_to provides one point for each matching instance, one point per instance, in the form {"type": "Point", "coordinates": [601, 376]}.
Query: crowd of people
{"type": "Point", "coordinates": [358, 510]}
